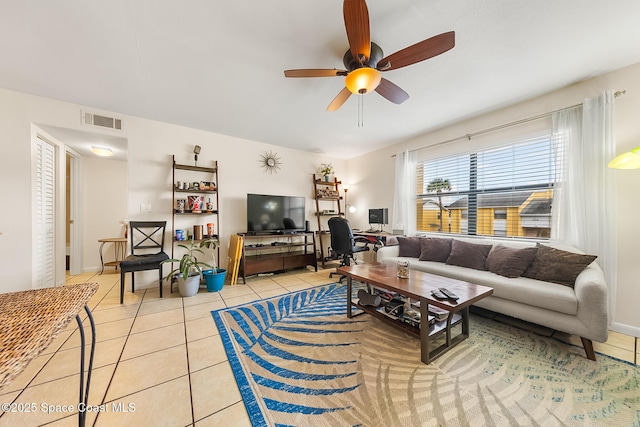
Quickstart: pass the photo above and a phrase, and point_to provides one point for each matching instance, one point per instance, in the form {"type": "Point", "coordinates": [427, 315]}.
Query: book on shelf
{"type": "Point", "coordinates": [438, 313]}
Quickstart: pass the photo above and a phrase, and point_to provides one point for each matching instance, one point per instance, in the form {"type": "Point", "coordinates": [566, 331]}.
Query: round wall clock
{"type": "Point", "coordinates": [270, 162]}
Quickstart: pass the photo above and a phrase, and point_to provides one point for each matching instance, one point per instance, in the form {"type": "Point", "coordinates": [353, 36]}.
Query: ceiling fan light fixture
{"type": "Point", "coordinates": [363, 80]}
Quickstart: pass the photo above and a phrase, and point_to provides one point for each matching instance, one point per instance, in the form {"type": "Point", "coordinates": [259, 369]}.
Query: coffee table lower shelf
{"type": "Point", "coordinates": [434, 331]}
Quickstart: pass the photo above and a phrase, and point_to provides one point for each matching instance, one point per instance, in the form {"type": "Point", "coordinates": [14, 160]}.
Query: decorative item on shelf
{"type": "Point", "coordinates": [270, 162]}
{"type": "Point", "coordinates": [196, 186]}
{"type": "Point", "coordinates": [197, 232]}
{"type": "Point", "coordinates": [325, 169]}
{"type": "Point", "coordinates": [195, 204]}
{"type": "Point", "coordinates": [327, 193]}
{"type": "Point", "coordinates": [181, 205]}
{"type": "Point", "coordinates": [196, 151]}
{"type": "Point", "coordinates": [125, 224]}
{"type": "Point", "coordinates": [180, 235]}
{"type": "Point", "coordinates": [403, 269]}
{"type": "Point", "coordinates": [209, 205]}
{"type": "Point", "coordinates": [210, 229]}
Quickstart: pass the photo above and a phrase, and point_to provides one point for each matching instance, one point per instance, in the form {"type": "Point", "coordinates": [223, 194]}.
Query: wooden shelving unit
{"type": "Point", "coordinates": [190, 174]}
{"type": "Point", "coordinates": [328, 205]}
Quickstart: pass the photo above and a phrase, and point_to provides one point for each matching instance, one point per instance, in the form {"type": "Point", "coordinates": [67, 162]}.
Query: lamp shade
{"type": "Point", "coordinates": [628, 160]}
{"type": "Point", "coordinates": [362, 80]}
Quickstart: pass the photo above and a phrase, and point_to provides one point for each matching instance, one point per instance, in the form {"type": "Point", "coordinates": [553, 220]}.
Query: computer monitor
{"type": "Point", "coordinates": [379, 216]}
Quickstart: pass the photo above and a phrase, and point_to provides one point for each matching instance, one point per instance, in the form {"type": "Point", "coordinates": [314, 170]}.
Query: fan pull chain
{"type": "Point", "coordinates": [360, 111]}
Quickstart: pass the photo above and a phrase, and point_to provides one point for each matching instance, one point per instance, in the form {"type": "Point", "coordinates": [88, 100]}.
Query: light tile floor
{"type": "Point", "coordinates": [161, 361]}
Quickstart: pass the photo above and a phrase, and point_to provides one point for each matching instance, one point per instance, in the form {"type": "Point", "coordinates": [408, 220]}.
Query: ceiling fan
{"type": "Point", "coordinates": [364, 60]}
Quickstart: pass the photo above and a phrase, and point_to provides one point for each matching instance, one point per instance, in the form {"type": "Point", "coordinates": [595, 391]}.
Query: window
{"type": "Point", "coordinates": [500, 191]}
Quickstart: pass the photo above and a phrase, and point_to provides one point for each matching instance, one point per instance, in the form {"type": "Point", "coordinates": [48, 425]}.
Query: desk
{"type": "Point", "coordinates": [378, 239]}
{"type": "Point", "coordinates": [119, 247]}
{"type": "Point", "coordinates": [30, 320]}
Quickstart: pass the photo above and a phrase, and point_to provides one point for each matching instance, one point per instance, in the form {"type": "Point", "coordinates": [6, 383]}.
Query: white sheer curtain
{"type": "Point", "coordinates": [584, 196]}
{"type": "Point", "coordinates": [404, 200]}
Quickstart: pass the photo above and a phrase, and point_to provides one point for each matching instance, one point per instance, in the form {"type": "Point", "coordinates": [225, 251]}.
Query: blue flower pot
{"type": "Point", "coordinates": [215, 280]}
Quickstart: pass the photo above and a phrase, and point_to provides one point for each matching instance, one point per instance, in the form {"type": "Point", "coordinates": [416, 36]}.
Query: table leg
{"type": "Point", "coordinates": [120, 248]}
{"type": "Point", "coordinates": [465, 321]}
{"type": "Point", "coordinates": [349, 287]}
{"type": "Point", "coordinates": [84, 386]}
{"type": "Point", "coordinates": [101, 258]}
{"type": "Point", "coordinates": [425, 340]}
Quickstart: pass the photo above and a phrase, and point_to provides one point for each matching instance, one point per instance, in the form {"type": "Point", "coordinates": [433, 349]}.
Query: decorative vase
{"type": "Point", "coordinates": [214, 280]}
{"type": "Point", "coordinates": [195, 203]}
{"type": "Point", "coordinates": [188, 287]}
{"type": "Point", "coordinates": [326, 178]}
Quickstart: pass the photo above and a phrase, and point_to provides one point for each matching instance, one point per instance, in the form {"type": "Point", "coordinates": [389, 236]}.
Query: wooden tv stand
{"type": "Point", "coordinates": [269, 253]}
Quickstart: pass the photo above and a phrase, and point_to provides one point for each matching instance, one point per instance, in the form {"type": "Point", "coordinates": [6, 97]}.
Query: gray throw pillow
{"type": "Point", "coordinates": [557, 266]}
{"type": "Point", "coordinates": [435, 249]}
{"type": "Point", "coordinates": [470, 255]}
{"type": "Point", "coordinates": [510, 262]}
{"type": "Point", "coordinates": [409, 247]}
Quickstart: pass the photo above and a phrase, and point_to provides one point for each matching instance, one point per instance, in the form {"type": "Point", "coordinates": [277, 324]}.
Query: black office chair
{"type": "Point", "coordinates": [147, 252]}
{"type": "Point", "coordinates": [343, 243]}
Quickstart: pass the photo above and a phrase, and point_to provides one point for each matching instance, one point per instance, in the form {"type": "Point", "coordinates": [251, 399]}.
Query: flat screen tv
{"type": "Point", "coordinates": [275, 214]}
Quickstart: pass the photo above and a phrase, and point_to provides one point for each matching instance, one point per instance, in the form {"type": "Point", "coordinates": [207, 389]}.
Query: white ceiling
{"type": "Point", "coordinates": [218, 65]}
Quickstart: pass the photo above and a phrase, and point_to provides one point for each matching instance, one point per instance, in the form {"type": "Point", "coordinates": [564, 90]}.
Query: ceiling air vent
{"type": "Point", "coordinates": [91, 119]}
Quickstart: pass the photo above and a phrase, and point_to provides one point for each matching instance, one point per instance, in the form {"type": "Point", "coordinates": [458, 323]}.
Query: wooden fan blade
{"type": "Point", "coordinates": [392, 92]}
{"type": "Point", "coordinates": [418, 52]}
{"type": "Point", "coordinates": [356, 22]}
{"type": "Point", "coordinates": [340, 99]}
{"type": "Point", "coordinates": [315, 72]}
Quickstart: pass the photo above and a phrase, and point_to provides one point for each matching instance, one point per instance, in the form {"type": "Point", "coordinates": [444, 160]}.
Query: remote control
{"type": "Point", "coordinates": [449, 294]}
{"type": "Point", "coordinates": [439, 295]}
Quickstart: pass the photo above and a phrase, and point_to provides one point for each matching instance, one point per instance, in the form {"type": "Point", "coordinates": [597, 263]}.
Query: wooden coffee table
{"type": "Point", "coordinates": [418, 287]}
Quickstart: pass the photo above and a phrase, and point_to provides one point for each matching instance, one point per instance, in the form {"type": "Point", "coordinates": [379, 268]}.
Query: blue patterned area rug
{"type": "Point", "coordinates": [299, 361]}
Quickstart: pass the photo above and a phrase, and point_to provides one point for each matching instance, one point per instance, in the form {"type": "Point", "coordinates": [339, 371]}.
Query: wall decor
{"type": "Point", "coordinates": [270, 162]}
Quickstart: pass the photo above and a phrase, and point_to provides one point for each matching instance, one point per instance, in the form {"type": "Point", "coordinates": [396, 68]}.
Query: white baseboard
{"type": "Point", "coordinates": [634, 331]}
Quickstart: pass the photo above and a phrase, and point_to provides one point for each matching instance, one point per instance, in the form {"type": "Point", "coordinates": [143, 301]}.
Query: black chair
{"type": "Point", "coordinates": [147, 252]}
{"type": "Point", "coordinates": [343, 243]}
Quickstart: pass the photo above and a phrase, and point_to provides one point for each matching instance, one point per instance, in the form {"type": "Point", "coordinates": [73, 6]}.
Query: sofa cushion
{"type": "Point", "coordinates": [549, 296]}
{"type": "Point", "coordinates": [435, 249]}
{"type": "Point", "coordinates": [510, 262]}
{"type": "Point", "coordinates": [470, 255]}
{"type": "Point", "coordinates": [409, 246]}
{"type": "Point", "coordinates": [557, 266]}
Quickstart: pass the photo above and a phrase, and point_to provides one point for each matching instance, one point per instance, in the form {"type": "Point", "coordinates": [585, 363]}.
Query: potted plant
{"type": "Point", "coordinates": [325, 169]}
{"type": "Point", "coordinates": [214, 278]}
{"type": "Point", "coordinates": [189, 270]}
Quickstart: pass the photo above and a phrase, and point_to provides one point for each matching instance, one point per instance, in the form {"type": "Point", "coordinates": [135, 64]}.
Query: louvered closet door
{"type": "Point", "coordinates": [44, 213]}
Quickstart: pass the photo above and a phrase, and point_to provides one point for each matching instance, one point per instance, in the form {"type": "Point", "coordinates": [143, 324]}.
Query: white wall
{"type": "Point", "coordinates": [373, 173]}
{"type": "Point", "coordinates": [104, 204]}
{"type": "Point", "coordinates": [148, 177]}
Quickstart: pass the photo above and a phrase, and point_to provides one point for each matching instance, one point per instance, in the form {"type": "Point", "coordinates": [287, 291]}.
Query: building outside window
{"type": "Point", "coordinates": [502, 191]}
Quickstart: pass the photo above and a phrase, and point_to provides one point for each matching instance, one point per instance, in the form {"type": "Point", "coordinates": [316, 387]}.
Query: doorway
{"type": "Point", "coordinates": [73, 217]}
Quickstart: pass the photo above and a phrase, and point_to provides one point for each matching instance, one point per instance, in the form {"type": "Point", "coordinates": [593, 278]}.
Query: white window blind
{"type": "Point", "coordinates": [44, 215]}
{"type": "Point", "coordinates": [500, 191]}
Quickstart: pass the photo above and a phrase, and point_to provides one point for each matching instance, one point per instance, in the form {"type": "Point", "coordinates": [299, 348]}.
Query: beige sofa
{"type": "Point", "coordinates": [580, 309]}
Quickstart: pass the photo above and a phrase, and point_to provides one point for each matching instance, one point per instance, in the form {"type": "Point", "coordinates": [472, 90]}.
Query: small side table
{"type": "Point", "coordinates": [120, 248]}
